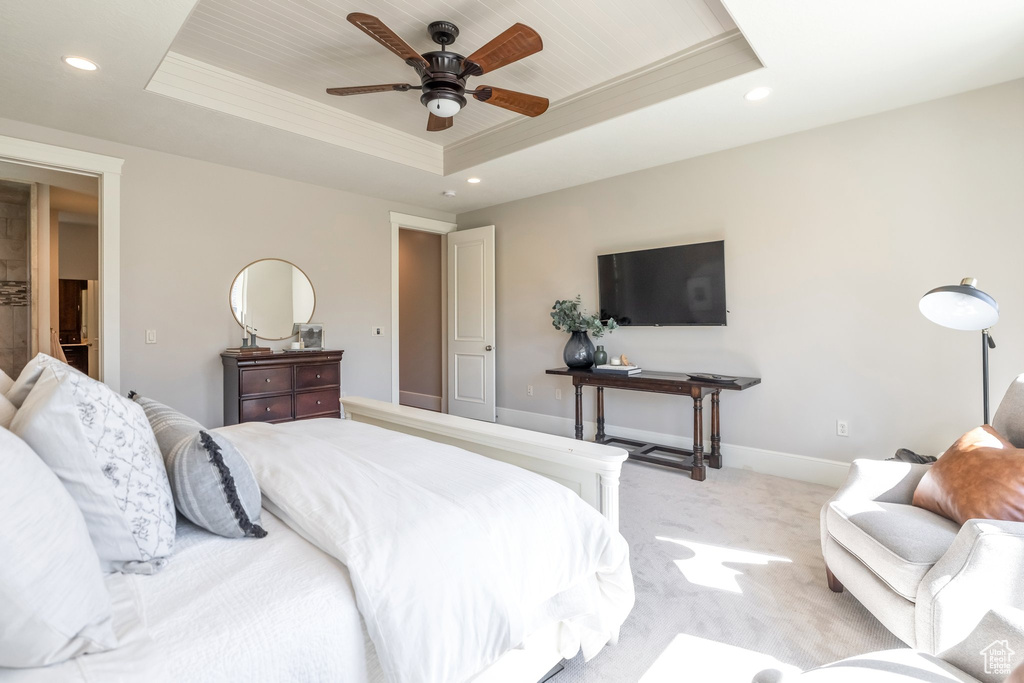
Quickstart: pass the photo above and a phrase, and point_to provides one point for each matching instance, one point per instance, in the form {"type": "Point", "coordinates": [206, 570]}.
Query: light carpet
{"type": "Point", "coordinates": [729, 581]}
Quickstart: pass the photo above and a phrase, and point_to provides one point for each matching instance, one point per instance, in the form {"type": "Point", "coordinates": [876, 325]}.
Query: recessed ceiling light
{"type": "Point", "coordinates": [81, 63]}
{"type": "Point", "coordinates": [473, 180]}
{"type": "Point", "coordinates": [758, 93]}
{"type": "Point", "coordinates": [449, 193]}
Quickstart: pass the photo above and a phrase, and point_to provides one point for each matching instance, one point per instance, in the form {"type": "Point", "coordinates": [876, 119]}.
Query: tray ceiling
{"type": "Point", "coordinates": [305, 46]}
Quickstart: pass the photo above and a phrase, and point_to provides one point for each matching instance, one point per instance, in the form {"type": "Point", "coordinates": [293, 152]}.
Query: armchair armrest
{"type": "Point", "coordinates": [884, 481]}
{"type": "Point", "coordinates": [982, 570]}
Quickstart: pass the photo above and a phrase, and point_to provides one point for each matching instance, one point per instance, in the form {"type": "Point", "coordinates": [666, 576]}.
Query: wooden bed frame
{"type": "Point", "coordinates": [589, 469]}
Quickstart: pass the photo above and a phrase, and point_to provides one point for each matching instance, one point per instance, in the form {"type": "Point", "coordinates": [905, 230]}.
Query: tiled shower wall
{"type": "Point", "coordinates": [14, 268]}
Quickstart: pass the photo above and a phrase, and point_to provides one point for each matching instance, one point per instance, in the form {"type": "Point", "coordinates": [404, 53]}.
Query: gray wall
{"type": "Point", "coordinates": [420, 312]}
{"type": "Point", "coordinates": [832, 236]}
{"type": "Point", "coordinates": [188, 227]}
{"type": "Point", "coordinates": [79, 257]}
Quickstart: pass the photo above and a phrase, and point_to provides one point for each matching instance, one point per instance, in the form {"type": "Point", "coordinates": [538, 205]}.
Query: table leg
{"type": "Point", "coordinates": [715, 460]}
{"type": "Point", "coordinates": [579, 411]}
{"type": "Point", "coordinates": [600, 414]}
{"type": "Point", "coordinates": [700, 470]}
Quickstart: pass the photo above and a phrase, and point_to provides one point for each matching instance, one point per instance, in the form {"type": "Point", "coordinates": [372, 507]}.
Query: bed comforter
{"type": "Point", "coordinates": [454, 558]}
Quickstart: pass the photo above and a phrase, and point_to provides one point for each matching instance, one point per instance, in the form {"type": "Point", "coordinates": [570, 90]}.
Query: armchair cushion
{"type": "Point", "coordinates": [1009, 418]}
{"type": "Point", "coordinates": [899, 543]}
{"type": "Point", "coordinates": [981, 476]}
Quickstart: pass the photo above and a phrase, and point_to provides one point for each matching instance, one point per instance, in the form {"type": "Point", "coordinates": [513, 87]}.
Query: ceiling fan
{"type": "Point", "coordinates": [443, 74]}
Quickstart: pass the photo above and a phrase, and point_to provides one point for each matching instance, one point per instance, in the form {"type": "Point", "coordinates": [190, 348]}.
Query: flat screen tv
{"type": "Point", "coordinates": [682, 285]}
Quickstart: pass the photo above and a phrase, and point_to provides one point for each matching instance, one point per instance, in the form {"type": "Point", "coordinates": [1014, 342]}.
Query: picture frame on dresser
{"type": "Point", "coordinates": [311, 335]}
{"type": "Point", "coordinates": [281, 386]}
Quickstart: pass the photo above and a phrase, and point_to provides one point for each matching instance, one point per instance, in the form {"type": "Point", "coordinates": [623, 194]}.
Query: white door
{"type": "Point", "coordinates": [471, 323]}
{"type": "Point", "coordinates": [91, 316]}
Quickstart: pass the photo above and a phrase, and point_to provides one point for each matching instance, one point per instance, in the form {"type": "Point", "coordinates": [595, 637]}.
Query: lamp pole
{"type": "Point", "coordinates": [986, 343]}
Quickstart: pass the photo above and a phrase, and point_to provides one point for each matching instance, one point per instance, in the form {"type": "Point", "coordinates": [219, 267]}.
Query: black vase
{"type": "Point", "coordinates": [579, 351]}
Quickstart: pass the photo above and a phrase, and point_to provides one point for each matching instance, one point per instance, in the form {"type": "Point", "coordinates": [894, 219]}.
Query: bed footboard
{"type": "Point", "coordinates": [589, 469]}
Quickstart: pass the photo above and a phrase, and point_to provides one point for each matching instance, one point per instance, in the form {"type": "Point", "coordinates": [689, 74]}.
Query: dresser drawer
{"type": "Point", "coordinates": [267, 409]}
{"type": "Point", "coordinates": [321, 402]}
{"type": "Point", "coordinates": [266, 381]}
{"type": "Point", "coordinates": [313, 376]}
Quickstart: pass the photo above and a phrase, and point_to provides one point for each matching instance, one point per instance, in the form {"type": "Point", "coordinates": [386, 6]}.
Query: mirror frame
{"type": "Point", "coordinates": [260, 260]}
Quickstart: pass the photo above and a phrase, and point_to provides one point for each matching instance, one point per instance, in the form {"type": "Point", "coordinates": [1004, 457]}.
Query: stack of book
{"type": "Point", "coordinates": [618, 369]}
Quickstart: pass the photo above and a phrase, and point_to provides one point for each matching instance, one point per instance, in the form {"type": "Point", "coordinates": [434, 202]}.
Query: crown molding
{"type": "Point", "coordinates": [704, 64]}
{"type": "Point", "coordinates": [202, 84]}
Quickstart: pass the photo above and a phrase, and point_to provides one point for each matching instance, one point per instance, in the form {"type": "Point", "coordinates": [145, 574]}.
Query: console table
{"type": "Point", "coordinates": [677, 383]}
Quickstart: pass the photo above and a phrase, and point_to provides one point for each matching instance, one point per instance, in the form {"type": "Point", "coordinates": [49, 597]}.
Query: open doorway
{"type": "Point", "coordinates": [421, 319]}
{"type": "Point", "coordinates": [50, 262]}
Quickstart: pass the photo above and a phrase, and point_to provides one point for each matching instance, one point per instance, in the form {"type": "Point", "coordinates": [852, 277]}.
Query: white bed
{"type": "Point", "coordinates": [280, 608]}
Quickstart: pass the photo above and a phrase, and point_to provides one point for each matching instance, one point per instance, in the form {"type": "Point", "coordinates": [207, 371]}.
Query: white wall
{"type": "Point", "coordinates": [188, 227]}
{"type": "Point", "coordinates": [832, 236]}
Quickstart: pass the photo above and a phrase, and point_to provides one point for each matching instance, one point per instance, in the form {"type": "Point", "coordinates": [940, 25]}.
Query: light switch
{"type": "Point", "coordinates": [376, 331]}
{"type": "Point", "coordinates": [151, 336]}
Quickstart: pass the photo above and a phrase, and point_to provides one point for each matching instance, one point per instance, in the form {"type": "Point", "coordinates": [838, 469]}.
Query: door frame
{"type": "Point", "coordinates": [107, 170]}
{"type": "Point", "coordinates": [406, 221]}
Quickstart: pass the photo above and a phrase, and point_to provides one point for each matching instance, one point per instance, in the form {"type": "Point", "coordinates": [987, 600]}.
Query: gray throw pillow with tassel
{"type": "Point", "coordinates": [213, 485]}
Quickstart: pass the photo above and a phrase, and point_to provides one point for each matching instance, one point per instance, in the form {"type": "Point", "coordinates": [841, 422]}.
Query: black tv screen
{"type": "Point", "coordinates": [683, 285]}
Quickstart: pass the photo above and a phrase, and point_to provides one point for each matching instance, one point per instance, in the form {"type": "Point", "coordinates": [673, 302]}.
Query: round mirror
{"type": "Point", "coordinates": [272, 296]}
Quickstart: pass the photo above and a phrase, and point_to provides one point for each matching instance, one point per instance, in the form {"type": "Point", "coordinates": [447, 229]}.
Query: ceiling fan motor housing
{"type": "Point", "coordinates": [441, 80]}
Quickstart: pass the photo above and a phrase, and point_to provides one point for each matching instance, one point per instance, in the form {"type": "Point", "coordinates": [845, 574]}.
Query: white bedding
{"type": "Point", "coordinates": [455, 558]}
{"type": "Point", "coordinates": [232, 610]}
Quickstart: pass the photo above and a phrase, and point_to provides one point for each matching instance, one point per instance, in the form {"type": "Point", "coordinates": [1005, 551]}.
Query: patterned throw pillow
{"type": "Point", "coordinates": [101, 447]}
{"type": "Point", "coordinates": [213, 485]}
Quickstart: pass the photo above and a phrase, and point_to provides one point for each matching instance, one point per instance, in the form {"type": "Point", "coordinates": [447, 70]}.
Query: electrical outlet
{"type": "Point", "coordinates": [529, 390]}
{"type": "Point", "coordinates": [151, 336]}
{"type": "Point", "coordinates": [558, 394]}
{"type": "Point", "coordinates": [376, 331]}
{"type": "Point", "coordinates": [842, 428]}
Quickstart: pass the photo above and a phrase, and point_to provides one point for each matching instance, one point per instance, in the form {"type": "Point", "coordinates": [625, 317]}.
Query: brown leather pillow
{"type": "Point", "coordinates": [981, 476]}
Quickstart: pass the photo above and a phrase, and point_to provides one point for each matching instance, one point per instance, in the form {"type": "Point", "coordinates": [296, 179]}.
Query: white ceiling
{"type": "Point", "coordinates": [827, 60]}
{"type": "Point", "coordinates": [304, 46]}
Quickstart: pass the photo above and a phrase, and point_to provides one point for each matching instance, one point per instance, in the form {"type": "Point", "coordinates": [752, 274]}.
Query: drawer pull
{"type": "Point", "coordinates": [268, 409]}
{"type": "Point", "coordinates": [318, 402]}
{"type": "Point", "coordinates": [318, 376]}
{"type": "Point", "coordinates": [267, 380]}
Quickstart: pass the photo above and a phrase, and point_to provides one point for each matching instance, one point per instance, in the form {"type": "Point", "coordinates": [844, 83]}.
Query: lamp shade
{"type": "Point", "coordinates": [960, 307]}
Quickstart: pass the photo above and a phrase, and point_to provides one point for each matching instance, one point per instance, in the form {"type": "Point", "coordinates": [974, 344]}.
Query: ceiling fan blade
{"type": "Point", "coordinates": [517, 42]}
{"type": "Point", "coordinates": [521, 103]}
{"type": "Point", "coordinates": [376, 29]}
{"type": "Point", "coordinates": [436, 123]}
{"type": "Point", "coordinates": [363, 89]}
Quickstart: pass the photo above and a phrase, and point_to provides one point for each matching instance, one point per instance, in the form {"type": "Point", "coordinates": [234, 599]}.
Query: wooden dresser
{"type": "Point", "coordinates": [280, 387]}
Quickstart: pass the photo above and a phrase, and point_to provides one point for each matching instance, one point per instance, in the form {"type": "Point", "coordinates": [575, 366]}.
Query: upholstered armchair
{"type": "Point", "coordinates": [926, 578]}
{"type": "Point", "coordinates": [987, 655]}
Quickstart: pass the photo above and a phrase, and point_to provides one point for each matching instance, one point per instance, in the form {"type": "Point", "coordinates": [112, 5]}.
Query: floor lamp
{"type": "Point", "coordinates": [965, 307]}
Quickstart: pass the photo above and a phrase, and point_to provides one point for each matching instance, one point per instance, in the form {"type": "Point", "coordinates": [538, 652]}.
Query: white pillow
{"type": "Point", "coordinates": [102, 448]}
{"type": "Point", "coordinates": [53, 601]}
{"type": "Point", "coordinates": [21, 387]}
{"type": "Point", "coordinates": [5, 382]}
{"type": "Point", "coordinates": [7, 411]}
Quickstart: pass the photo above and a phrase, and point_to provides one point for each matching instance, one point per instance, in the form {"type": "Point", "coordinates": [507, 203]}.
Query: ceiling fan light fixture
{"type": "Point", "coordinates": [444, 107]}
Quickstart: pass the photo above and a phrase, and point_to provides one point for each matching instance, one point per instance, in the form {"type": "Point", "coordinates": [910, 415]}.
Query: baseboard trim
{"type": "Point", "coordinates": [788, 465]}
{"type": "Point", "coordinates": [414, 400]}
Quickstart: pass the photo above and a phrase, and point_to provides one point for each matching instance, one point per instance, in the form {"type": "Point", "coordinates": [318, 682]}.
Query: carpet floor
{"type": "Point", "coordinates": [729, 582]}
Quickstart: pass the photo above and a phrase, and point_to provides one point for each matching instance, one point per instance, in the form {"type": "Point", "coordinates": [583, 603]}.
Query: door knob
{"type": "Point", "coordinates": [488, 348]}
